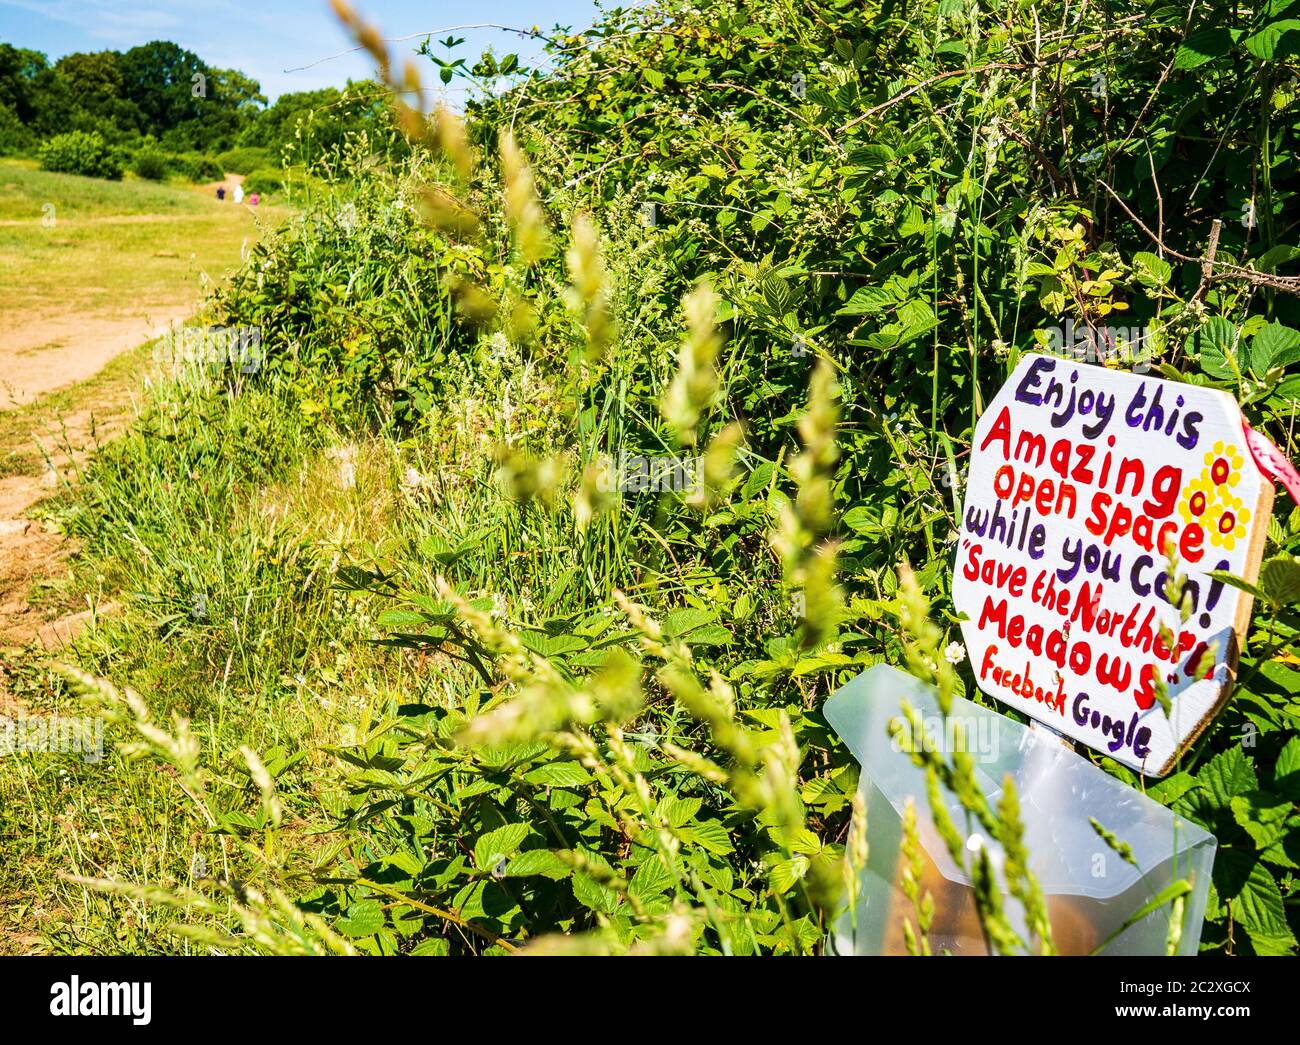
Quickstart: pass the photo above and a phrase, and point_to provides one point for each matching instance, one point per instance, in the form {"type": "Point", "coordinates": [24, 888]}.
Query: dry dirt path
{"type": "Point", "coordinates": [50, 351]}
{"type": "Point", "coordinates": [31, 550]}
{"type": "Point", "coordinates": [79, 296]}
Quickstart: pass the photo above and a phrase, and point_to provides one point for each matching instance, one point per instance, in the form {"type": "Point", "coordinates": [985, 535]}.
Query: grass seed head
{"type": "Point", "coordinates": [589, 294]}
{"type": "Point", "coordinates": [696, 384]}
{"type": "Point", "coordinates": [523, 208]}
{"type": "Point", "coordinates": [453, 141]}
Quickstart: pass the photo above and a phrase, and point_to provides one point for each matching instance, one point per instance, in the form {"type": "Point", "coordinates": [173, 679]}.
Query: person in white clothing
{"type": "Point", "coordinates": [239, 194]}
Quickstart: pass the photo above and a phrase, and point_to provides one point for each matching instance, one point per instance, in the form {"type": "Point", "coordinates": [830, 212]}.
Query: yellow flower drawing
{"type": "Point", "coordinates": [1198, 499]}
{"type": "Point", "coordinates": [1223, 464]}
{"type": "Point", "coordinates": [1226, 520]}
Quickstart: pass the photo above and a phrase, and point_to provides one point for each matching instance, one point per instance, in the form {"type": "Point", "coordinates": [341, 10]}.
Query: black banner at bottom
{"type": "Point", "coordinates": [145, 995]}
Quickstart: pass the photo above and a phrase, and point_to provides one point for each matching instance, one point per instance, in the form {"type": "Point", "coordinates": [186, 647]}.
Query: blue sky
{"type": "Point", "coordinates": [265, 39]}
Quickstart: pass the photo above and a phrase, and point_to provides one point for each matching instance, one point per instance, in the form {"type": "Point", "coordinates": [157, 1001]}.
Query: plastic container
{"type": "Point", "coordinates": [1090, 890]}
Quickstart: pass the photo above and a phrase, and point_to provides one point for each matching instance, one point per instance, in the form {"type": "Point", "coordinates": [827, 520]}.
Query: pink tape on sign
{"type": "Point", "coordinates": [1272, 462]}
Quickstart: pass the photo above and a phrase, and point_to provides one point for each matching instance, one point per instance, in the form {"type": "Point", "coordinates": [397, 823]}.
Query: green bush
{"type": "Point", "coordinates": [14, 137]}
{"type": "Point", "coordinates": [264, 180]}
{"type": "Point", "coordinates": [81, 153]}
{"type": "Point", "coordinates": [246, 159]}
{"type": "Point", "coordinates": [204, 168]}
{"type": "Point", "coordinates": [374, 356]}
{"type": "Point", "coordinates": [151, 164]}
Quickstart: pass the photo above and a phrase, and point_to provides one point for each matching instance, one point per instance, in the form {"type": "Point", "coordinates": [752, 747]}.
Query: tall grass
{"type": "Point", "coordinates": [410, 662]}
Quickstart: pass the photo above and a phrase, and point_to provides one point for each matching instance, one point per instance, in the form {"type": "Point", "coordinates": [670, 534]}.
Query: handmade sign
{"type": "Point", "coordinates": [1081, 479]}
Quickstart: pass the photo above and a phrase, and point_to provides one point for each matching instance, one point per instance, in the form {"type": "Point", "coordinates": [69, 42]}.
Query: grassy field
{"type": "Point", "coordinates": [114, 254]}
{"type": "Point", "coordinates": [83, 245]}
{"type": "Point", "coordinates": [25, 189]}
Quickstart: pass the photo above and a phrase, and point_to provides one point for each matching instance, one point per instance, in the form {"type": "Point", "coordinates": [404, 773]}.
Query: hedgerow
{"type": "Point", "coordinates": [794, 252]}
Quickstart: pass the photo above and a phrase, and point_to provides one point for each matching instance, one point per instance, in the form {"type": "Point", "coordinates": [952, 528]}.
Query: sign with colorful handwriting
{"type": "Point", "coordinates": [1080, 479]}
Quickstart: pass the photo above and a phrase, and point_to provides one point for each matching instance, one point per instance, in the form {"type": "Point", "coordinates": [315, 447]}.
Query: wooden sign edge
{"type": "Point", "coordinates": [1241, 622]}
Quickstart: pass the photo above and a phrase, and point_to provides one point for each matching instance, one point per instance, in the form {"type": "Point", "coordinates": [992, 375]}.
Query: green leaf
{"type": "Point", "coordinates": [913, 222]}
{"type": "Point", "coordinates": [785, 873]}
{"type": "Point", "coordinates": [407, 921]}
{"type": "Point", "coordinates": [552, 645]}
{"type": "Point", "coordinates": [1051, 295]}
{"type": "Point", "coordinates": [1227, 775]}
{"type": "Point", "coordinates": [493, 846]}
{"type": "Point", "coordinates": [1172, 788]}
{"type": "Point", "coordinates": [757, 480]}
{"type": "Point", "coordinates": [708, 834]}
{"type": "Point", "coordinates": [871, 520]}
{"type": "Point", "coordinates": [537, 862]}
{"type": "Point", "coordinates": [591, 893]}
{"type": "Point", "coordinates": [1216, 347]}
{"type": "Point", "coordinates": [1275, 256]}
{"type": "Point", "coordinates": [677, 811]}
{"type": "Point", "coordinates": [684, 621]}
{"type": "Point", "coordinates": [1202, 47]}
{"type": "Point", "coordinates": [1258, 908]}
{"type": "Point", "coordinates": [711, 635]}
{"type": "Point", "coordinates": [436, 611]}
{"type": "Point", "coordinates": [872, 155]}
{"type": "Point", "coordinates": [1280, 580]}
{"type": "Point", "coordinates": [806, 842]}
{"type": "Point", "coordinates": [404, 862]}
{"type": "Point", "coordinates": [1240, 583]}
{"type": "Point", "coordinates": [651, 879]}
{"type": "Point", "coordinates": [1285, 853]}
{"type": "Point", "coordinates": [402, 619]}
{"type": "Point", "coordinates": [1151, 269]}
{"type": "Point", "coordinates": [363, 918]}
{"type": "Point", "coordinates": [1286, 771]}
{"type": "Point", "coordinates": [777, 293]}
{"type": "Point", "coordinates": [1262, 815]}
{"type": "Point", "coordinates": [867, 301]}
{"type": "Point", "coordinates": [1279, 40]}
{"type": "Point", "coordinates": [559, 774]}
{"type": "Point", "coordinates": [1274, 345]}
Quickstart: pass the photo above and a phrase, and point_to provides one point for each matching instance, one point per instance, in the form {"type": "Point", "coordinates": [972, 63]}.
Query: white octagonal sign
{"type": "Point", "coordinates": [1080, 479]}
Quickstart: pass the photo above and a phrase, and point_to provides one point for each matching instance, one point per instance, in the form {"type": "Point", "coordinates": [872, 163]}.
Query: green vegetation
{"type": "Point", "coordinates": [246, 159]}
{"type": "Point", "coordinates": [202, 168]}
{"type": "Point", "coordinates": [80, 153]}
{"type": "Point", "coordinates": [264, 179]}
{"type": "Point", "coordinates": [151, 164]}
{"type": "Point", "coordinates": [24, 188]}
{"type": "Point", "coordinates": [423, 680]}
{"type": "Point", "coordinates": [162, 101]}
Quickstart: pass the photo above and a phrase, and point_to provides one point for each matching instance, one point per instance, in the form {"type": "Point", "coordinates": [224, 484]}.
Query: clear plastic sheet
{"type": "Point", "coordinates": [1091, 891]}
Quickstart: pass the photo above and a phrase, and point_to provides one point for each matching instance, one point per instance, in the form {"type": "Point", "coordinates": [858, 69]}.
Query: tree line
{"type": "Point", "coordinates": [160, 97]}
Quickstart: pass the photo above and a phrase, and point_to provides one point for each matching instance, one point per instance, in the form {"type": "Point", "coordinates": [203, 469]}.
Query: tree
{"type": "Point", "coordinates": [94, 77]}
{"type": "Point", "coordinates": [238, 92]}
{"type": "Point", "coordinates": [318, 122]}
{"type": "Point", "coordinates": [233, 102]}
{"type": "Point", "coordinates": [19, 68]}
{"type": "Point", "coordinates": [168, 84]}
{"type": "Point", "coordinates": [95, 83]}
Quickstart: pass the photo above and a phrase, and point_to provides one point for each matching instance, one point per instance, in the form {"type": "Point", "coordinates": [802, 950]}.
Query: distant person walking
{"type": "Point", "coordinates": [254, 199]}
{"type": "Point", "coordinates": [221, 192]}
{"type": "Point", "coordinates": [239, 194]}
